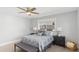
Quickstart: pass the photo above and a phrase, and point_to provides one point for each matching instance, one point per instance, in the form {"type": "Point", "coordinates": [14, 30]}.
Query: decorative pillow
{"type": "Point", "coordinates": [39, 33]}
{"type": "Point", "coordinates": [32, 33]}
{"type": "Point", "coordinates": [49, 33]}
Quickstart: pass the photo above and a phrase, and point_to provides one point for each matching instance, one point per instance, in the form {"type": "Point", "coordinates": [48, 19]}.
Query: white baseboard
{"type": "Point", "coordinates": [9, 42]}
{"type": "Point", "coordinates": [8, 46]}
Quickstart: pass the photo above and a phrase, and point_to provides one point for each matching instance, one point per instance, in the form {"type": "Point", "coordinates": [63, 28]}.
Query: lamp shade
{"type": "Point", "coordinates": [35, 28]}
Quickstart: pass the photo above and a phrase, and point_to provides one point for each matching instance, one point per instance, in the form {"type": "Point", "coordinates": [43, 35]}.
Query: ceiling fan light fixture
{"type": "Point", "coordinates": [28, 13]}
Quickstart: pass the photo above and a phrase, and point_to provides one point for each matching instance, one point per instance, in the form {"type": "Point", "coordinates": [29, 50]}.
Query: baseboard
{"type": "Point", "coordinates": [8, 46]}
{"type": "Point", "coordinates": [9, 42]}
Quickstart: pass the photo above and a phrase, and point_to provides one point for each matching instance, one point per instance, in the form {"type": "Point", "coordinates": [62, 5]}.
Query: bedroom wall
{"type": "Point", "coordinates": [67, 21]}
{"type": "Point", "coordinates": [12, 26]}
{"type": "Point", "coordinates": [78, 24]}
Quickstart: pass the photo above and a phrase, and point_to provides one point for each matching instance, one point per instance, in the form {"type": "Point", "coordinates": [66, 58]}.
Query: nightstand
{"type": "Point", "coordinates": [59, 40]}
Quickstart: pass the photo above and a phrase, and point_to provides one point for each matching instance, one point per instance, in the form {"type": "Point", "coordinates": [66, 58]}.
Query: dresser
{"type": "Point", "coordinates": [59, 40]}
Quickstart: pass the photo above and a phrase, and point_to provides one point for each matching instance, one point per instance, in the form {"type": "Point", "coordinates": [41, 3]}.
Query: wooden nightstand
{"type": "Point", "coordinates": [59, 40]}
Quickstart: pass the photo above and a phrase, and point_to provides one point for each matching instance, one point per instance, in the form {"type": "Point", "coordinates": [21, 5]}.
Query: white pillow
{"type": "Point", "coordinates": [49, 33]}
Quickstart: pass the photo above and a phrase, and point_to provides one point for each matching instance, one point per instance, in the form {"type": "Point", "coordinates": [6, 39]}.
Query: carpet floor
{"type": "Point", "coordinates": [53, 48]}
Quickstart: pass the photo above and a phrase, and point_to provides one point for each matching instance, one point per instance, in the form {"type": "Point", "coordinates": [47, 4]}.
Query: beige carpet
{"type": "Point", "coordinates": [55, 48]}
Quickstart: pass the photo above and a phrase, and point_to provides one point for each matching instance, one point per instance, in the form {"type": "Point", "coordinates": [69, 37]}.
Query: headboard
{"type": "Point", "coordinates": [46, 27]}
{"type": "Point", "coordinates": [46, 24]}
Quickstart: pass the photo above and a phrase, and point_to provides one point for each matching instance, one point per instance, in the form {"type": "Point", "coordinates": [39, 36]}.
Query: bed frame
{"type": "Point", "coordinates": [29, 48]}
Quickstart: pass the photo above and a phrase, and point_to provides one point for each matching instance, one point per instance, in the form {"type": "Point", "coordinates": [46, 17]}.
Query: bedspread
{"type": "Point", "coordinates": [38, 41]}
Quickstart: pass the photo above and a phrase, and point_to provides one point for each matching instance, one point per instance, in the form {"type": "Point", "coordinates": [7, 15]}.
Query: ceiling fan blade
{"type": "Point", "coordinates": [21, 8]}
{"type": "Point", "coordinates": [21, 12]}
{"type": "Point", "coordinates": [34, 12]}
{"type": "Point", "coordinates": [28, 9]}
{"type": "Point", "coordinates": [33, 9]}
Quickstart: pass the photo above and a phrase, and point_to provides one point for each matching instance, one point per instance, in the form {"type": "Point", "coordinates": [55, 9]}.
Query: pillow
{"type": "Point", "coordinates": [49, 33]}
{"type": "Point", "coordinates": [43, 33]}
{"type": "Point", "coordinates": [39, 33]}
{"type": "Point", "coordinates": [32, 33]}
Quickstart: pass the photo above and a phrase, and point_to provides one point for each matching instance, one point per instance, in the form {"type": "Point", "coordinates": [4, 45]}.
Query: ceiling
{"type": "Point", "coordinates": [43, 11]}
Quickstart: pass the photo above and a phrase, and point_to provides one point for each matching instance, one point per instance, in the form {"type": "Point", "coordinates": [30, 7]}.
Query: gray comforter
{"type": "Point", "coordinates": [38, 41]}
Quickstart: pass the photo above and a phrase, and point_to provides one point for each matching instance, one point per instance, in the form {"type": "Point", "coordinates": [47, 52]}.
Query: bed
{"type": "Point", "coordinates": [42, 39]}
{"type": "Point", "coordinates": [38, 41]}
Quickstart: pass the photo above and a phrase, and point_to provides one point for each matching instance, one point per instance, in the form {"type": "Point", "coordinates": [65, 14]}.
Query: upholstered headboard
{"type": "Point", "coordinates": [46, 27]}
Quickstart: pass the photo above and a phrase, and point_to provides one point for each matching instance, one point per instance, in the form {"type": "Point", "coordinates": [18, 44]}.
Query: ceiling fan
{"type": "Point", "coordinates": [28, 10]}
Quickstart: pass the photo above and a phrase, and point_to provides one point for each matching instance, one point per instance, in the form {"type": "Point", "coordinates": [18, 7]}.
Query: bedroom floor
{"type": "Point", "coordinates": [54, 48]}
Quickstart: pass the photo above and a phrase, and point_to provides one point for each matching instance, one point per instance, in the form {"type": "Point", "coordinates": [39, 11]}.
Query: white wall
{"type": "Point", "coordinates": [68, 22]}
{"type": "Point", "coordinates": [78, 24]}
{"type": "Point", "coordinates": [12, 26]}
